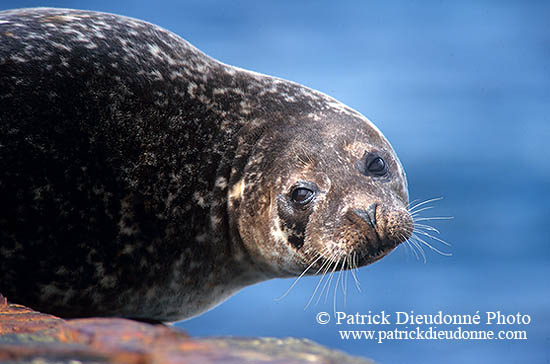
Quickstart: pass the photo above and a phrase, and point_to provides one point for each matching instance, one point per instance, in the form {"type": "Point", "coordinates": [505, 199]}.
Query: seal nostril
{"type": "Point", "coordinates": [369, 215]}
{"type": "Point", "coordinates": [371, 211]}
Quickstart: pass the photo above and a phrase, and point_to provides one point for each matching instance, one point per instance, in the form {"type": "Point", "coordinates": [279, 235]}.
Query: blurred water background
{"type": "Point", "coordinates": [462, 91]}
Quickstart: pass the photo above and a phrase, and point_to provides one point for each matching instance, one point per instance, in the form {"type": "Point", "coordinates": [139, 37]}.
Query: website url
{"type": "Point", "coordinates": [431, 333]}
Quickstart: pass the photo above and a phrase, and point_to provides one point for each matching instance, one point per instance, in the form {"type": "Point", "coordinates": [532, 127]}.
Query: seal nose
{"type": "Point", "coordinates": [369, 215]}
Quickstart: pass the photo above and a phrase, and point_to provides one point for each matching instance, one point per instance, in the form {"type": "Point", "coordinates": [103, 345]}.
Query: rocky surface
{"type": "Point", "coordinates": [27, 336]}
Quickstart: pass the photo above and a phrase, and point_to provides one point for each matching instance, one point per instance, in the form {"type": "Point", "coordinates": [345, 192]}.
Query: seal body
{"type": "Point", "coordinates": [142, 178]}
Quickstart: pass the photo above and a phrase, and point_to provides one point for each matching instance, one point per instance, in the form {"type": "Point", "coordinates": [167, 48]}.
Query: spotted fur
{"type": "Point", "coordinates": [142, 178]}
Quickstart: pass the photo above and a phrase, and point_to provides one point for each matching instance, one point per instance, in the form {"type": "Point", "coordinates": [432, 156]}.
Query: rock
{"type": "Point", "coordinates": [27, 336]}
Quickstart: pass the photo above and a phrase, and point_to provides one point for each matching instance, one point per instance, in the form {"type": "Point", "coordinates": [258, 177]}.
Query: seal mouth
{"type": "Point", "coordinates": [347, 255]}
{"type": "Point", "coordinates": [363, 237]}
{"type": "Point", "coordinates": [374, 251]}
{"type": "Point", "coordinates": [374, 233]}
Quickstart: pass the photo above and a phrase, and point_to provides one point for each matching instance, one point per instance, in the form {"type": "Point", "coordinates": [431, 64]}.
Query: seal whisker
{"type": "Point", "coordinates": [407, 245]}
{"type": "Point", "coordinates": [326, 267]}
{"type": "Point", "coordinates": [415, 242]}
{"type": "Point", "coordinates": [427, 227]}
{"type": "Point", "coordinates": [411, 203]}
{"type": "Point", "coordinates": [336, 286]}
{"type": "Point", "coordinates": [411, 209]}
{"type": "Point", "coordinates": [326, 264]}
{"type": "Point", "coordinates": [327, 270]}
{"type": "Point", "coordinates": [300, 276]}
{"type": "Point", "coordinates": [415, 213]}
{"type": "Point", "coordinates": [345, 286]}
{"type": "Point", "coordinates": [418, 246]}
{"type": "Point", "coordinates": [432, 247]}
{"type": "Point", "coordinates": [345, 269]}
{"type": "Point", "coordinates": [331, 269]}
{"type": "Point", "coordinates": [433, 218]}
{"type": "Point", "coordinates": [301, 154]}
{"type": "Point", "coordinates": [327, 261]}
{"type": "Point", "coordinates": [343, 281]}
{"type": "Point", "coordinates": [433, 237]}
{"type": "Point", "coordinates": [411, 247]}
{"type": "Point", "coordinates": [328, 282]}
{"type": "Point", "coordinates": [353, 272]}
{"type": "Point", "coordinates": [332, 275]}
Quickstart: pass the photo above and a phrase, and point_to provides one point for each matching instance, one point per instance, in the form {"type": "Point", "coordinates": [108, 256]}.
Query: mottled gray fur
{"type": "Point", "coordinates": [142, 178]}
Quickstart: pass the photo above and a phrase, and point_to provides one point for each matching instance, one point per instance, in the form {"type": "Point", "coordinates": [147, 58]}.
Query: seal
{"type": "Point", "coordinates": [143, 179]}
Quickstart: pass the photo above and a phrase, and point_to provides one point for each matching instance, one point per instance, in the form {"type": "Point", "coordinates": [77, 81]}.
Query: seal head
{"type": "Point", "coordinates": [331, 189]}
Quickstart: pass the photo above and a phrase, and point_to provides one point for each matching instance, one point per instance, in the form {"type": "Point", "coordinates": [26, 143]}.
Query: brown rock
{"type": "Point", "coordinates": [27, 336]}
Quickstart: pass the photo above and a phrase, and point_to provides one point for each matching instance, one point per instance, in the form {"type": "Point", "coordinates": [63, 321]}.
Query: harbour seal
{"type": "Point", "coordinates": [142, 178]}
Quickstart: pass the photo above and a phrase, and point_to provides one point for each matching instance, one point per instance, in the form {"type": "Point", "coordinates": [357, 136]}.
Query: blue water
{"type": "Point", "coordinates": [462, 91]}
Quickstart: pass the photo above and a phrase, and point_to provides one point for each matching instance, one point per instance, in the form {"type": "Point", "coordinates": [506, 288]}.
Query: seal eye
{"type": "Point", "coordinates": [376, 166]}
{"type": "Point", "coordinates": [302, 195]}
